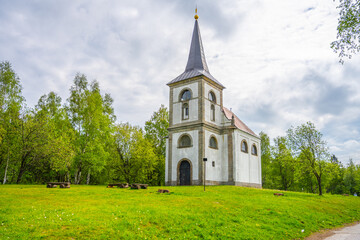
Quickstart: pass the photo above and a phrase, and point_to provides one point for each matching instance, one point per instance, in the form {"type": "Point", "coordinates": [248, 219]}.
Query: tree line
{"type": "Point", "coordinates": [77, 141]}
{"type": "Point", "coordinates": [300, 161]}
{"type": "Point", "coordinates": [80, 141]}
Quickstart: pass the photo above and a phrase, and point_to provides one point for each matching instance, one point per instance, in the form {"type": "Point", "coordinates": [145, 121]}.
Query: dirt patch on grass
{"type": "Point", "coordinates": [328, 232]}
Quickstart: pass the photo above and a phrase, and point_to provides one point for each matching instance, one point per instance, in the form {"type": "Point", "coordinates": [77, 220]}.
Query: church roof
{"type": "Point", "coordinates": [237, 122]}
{"type": "Point", "coordinates": [196, 65]}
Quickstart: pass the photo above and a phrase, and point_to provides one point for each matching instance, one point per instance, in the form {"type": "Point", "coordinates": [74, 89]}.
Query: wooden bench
{"type": "Point", "coordinates": [139, 186]}
{"type": "Point", "coordinates": [119, 185]}
{"type": "Point", "coordinates": [55, 184]}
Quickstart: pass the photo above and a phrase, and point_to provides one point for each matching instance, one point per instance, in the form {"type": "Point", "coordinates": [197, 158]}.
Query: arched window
{"type": "Point", "coordinates": [184, 141]}
{"type": "Point", "coordinates": [254, 150]}
{"type": "Point", "coordinates": [185, 111]}
{"type": "Point", "coordinates": [212, 112]}
{"type": "Point", "coordinates": [185, 95]}
{"type": "Point", "coordinates": [213, 143]}
{"type": "Point", "coordinates": [244, 146]}
{"type": "Point", "coordinates": [212, 97]}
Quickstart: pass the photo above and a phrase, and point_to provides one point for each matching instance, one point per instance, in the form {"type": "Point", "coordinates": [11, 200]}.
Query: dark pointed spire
{"type": "Point", "coordinates": [196, 65]}
{"type": "Point", "coordinates": [196, 58]}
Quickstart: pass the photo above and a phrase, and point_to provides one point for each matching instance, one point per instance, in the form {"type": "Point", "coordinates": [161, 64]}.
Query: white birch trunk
{"type": "Point", "coordinates": [6, 168]}
{"type": "Point", "coordinates": [88, 178]}
{"type": "Point", "coordinates": [79, 178]}
{"type": "Point", "coordinates": [75, 180]}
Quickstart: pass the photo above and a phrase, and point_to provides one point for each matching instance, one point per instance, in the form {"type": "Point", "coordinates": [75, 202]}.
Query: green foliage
{"type": "Point", "coordinates": [2, 133]}
{"type": "Point", "coordinates": [80, 142]}
{"type": "Point", "coordinates": [283, 164]}
{"type": "Point", "coordinates": [156, 131]}
{"type": "Point", "coordinates": [76, 142]}
{"type": "Point", "coordinates": [10, 89]}
{"type": "Point", "coordinates": [265, 160]}
{"type": "Point", "coordinates": [60, 133]}
{"type": "Point", "coordinates": [307, 143]}
{"type": "Point", "coordinates": [91, 115]}
{"type": "Point", "coordinates": [300, 162]}
{"type": "Point", "coordinates": [11, 103]}
{"type": "Point", "coordinates": [348, 30]}
{"type": "Point", "coordinates": [335, 176]}
{"type": "Point", "coordinates": [350, 181]}
{"type": "Point", "coordinates": [134, 157]}
{"type": "Point", "coordinates": [221, 212]}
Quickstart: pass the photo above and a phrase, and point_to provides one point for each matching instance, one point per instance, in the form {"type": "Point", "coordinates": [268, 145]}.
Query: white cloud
{"type": "Point", "coordinates": [273, 56]}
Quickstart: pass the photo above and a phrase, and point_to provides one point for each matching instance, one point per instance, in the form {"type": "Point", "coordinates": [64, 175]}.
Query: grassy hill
{"type": "Point", "coordinates": [222, 212]}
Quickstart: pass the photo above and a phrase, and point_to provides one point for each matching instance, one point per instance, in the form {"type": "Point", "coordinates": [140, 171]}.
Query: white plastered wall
{"type": "Point", "coordinates": [255, 162]}
{"type": "Point", "coordinates": [193, 103]}
{"type": "Point", "coordinates": [247, 167]}
{"type": "Point", "coordinates": [190, 153]}
{"type": "Point", "coordinates": [166, 160]}
{"type": "Point", "coordinates": [219, 156]}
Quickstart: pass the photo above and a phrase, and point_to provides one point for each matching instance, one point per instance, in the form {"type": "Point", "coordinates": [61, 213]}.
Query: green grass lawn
{"type": "Point", "coordinates": [222, 212]}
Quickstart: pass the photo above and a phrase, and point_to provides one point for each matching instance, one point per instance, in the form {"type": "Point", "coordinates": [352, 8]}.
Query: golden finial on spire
{"type": "Point", "coordinates": [196, 16]}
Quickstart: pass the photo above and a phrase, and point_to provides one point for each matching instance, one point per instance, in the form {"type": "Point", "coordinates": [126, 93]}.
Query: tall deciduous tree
{"type": "Point", "coordinates": [335, 177]}
{"type": "Point", "coordinates": [156, 131]}
{"type": "Point", "coordinates": [357, 179]}
{"type": "Point", "coordinates": [265, 160]}
{"type": "Point", "coordinates": [92, 117]}
{"type": "Point", "coordinates": [60, 133]}
{"type": "Point", "coordinates": [348, 30]}
{"type": "Point", "coordinates": [308, 145]}
{"type": "Point", "coordinates": [350, 178]}
{"type": "Point", "coordinates": [11, 102]}
{"type": "Point", "coordinates": [134, 158]}
{"type": "Point", "coordinates": [283, 163]}
{"type": "Point", "coordinates": [2, 133]}
{"type": "Point", "coordinates": [33, 144]}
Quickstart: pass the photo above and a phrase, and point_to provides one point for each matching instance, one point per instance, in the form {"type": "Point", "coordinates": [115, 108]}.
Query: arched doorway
{"type": "Point", "coordinates": [185, 173]}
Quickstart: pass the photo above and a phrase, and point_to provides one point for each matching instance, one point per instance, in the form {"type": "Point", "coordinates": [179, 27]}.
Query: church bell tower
{"type": "Point", "coordinates": [195, 109]}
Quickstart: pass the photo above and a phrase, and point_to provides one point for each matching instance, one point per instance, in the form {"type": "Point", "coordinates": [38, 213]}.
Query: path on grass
{"type": "Point", "coordinates": [347, 233]}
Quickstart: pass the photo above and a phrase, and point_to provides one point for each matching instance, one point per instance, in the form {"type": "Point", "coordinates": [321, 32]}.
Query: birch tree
{"type": "Point", "coordinates": [265, 160]}
{"type": "Point", "coordinates": [307, 144]}
{"type": "Point", "coordinates": [283, 163]}
{"type": "Point", "coordinates": [11, 102]}
{"type": "Point", "coordinates": [91, 115]}
{"type": "Point", "coordinates": [134, 158]}
{"type": "Point", "coordinates": [156, 131]}
{"type": "Point", "coordinates": [348, 29]}
{"type": "Point", "coordinates": [59, 152]}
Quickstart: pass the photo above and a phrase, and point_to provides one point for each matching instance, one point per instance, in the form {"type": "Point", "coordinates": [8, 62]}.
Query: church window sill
{"type": "Point", "coordinates": [185, 146]}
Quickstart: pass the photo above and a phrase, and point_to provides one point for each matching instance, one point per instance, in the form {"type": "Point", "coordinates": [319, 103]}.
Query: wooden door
{"type": "Point", "coordinates": [185, 173]}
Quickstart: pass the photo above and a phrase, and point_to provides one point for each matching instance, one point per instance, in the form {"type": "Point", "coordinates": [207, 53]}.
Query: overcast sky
{"type": "Point", "coordinates": [273, 57]}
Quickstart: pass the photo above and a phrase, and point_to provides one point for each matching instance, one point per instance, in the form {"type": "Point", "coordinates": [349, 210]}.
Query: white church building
{"type": "Point", "coordinates": [201, 127]}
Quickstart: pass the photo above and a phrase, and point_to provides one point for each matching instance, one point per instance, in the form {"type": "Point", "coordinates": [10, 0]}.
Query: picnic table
{"type": "Point", "coordinates": [55, 184]}
{"type": "Point", "coordinates": [119, 185]}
